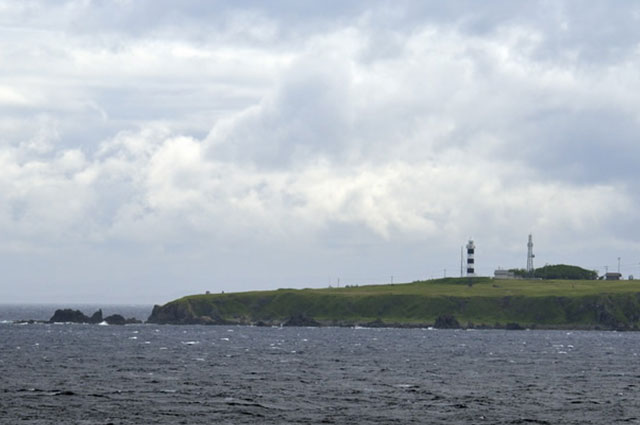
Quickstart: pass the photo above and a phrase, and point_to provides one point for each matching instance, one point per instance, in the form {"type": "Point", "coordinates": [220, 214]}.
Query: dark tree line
{"type": "Point", "coordinates": [558, 271]}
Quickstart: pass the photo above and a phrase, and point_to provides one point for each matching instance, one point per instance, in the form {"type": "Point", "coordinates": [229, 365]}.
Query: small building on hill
{"type": "Point", "coordinates": [613, 276]}
{"type": "Point", "coordinates": [503, 274]}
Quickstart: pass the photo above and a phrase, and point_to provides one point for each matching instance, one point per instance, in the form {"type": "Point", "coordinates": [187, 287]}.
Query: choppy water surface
{"type": "Point", "coordinates": [149, 374]}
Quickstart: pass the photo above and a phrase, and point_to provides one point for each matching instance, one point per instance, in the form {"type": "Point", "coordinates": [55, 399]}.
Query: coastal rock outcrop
{"type": "Point", "coordinates": [69, 315]}
{"type": "Point", "coordinates": [96, 317]}
{"type": "Point", "coordinates": [182, 314]}
{"type": "Point", "coordinates": [513, 326]}
{"type": "Point", "coordinates": [446, 321]}
{"type": "Point", "coordinates": [115, 319]}
{"type": "Point", "coordinates": [300, 320]}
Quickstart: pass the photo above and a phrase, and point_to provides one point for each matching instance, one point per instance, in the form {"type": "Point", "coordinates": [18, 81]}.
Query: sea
{"type": "Point", "coordinates": [165, 374]}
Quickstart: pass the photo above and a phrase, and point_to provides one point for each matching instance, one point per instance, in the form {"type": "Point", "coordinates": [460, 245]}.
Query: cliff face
{"type": "Point", "coordinates": [315, 308]}
{"type": "Point", "coordinates": [181, 313]}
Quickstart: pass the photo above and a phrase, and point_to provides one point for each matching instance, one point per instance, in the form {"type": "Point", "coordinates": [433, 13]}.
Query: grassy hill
{"type": "Point", "coordinates": [473, 302]}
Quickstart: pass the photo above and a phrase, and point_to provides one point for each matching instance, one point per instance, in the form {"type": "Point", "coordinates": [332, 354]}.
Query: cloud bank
{"type": "Point", "coordinates": [151, 151]}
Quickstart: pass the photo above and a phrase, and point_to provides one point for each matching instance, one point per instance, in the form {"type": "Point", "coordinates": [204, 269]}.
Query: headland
{"type": "Point", "coordinates": [479, 302]}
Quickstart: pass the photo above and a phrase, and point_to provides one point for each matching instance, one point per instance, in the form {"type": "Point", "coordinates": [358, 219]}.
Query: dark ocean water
{"type": "Point", "coordinates": [150, 374]}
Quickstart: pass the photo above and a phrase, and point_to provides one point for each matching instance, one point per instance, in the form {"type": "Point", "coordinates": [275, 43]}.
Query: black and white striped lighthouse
{"type": "Point", "coordinates": [471, 267]}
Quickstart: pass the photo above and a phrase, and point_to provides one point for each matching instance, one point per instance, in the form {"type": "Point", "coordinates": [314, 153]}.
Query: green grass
{"type": "Point", "coordinates": [480, 287]}
{"type": "Point", "coordinates": [562, 303]}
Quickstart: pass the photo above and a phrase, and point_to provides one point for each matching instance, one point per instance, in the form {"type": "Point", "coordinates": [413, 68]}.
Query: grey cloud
{"type": "Point", "coordinates": [306, 116]}
{"type": "Point", "coordinates": [324, 139]}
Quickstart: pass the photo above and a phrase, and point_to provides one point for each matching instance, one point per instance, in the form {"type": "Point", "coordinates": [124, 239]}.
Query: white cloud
{"type": "Point", "coordinates": [256, 134]}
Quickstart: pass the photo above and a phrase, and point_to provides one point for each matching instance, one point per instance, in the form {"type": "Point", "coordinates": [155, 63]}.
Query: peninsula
{"type": "Point", "coordinates": [479, 302]}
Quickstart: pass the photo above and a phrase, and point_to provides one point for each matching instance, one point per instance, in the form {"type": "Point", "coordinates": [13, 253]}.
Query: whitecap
{"type": "Point", "coordinates": [133, 337]}
{"type": "Point", "coordinates": [224, 339]}
{"type": "Point", "coordinates": [190, 342]}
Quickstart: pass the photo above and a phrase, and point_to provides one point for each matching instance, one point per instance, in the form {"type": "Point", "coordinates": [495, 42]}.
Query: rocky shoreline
{"type": "Point", "coordinates": [177, 314]}
{"type": "Point", "coordinates": [183, 317]}
{"type": "Point", "coordinates": [442, 322]}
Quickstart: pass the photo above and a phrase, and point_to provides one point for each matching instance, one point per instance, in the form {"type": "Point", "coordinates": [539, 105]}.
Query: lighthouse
{"type": "Point", "coordinates": [471, 267]}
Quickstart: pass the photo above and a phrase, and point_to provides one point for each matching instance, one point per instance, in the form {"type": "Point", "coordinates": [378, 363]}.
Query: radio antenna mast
{"type": "Point", "coordinates": [530, 256]}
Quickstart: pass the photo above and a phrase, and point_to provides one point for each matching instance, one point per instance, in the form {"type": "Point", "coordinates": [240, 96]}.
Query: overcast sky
{"type": "Point", "coordinates": [154, 149]}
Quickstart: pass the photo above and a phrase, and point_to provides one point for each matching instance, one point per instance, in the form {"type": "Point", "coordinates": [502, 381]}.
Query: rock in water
{"type": "Point", "coordinates": [96, 317]}
{"type": "Point", "coordinates": [115, 319]}
{"type": "Point", "coordinates": [446, 321]}
{"type": "Point", "coordinates": [69, 315]}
